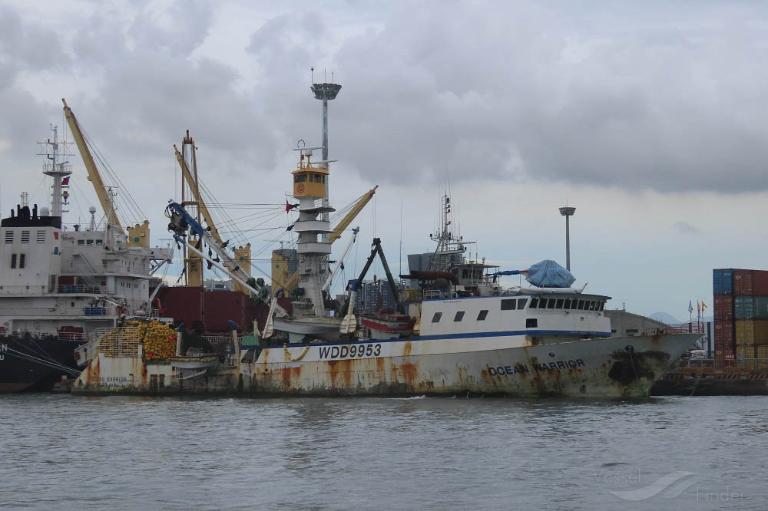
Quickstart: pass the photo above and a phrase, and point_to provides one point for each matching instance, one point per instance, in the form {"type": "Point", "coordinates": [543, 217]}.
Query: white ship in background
{"type": "Point", "coordinates": [61, 287]}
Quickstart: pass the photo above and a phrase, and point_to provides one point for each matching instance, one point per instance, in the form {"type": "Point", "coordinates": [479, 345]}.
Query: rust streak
{"type": "Point", "coordinates": [410, 372]}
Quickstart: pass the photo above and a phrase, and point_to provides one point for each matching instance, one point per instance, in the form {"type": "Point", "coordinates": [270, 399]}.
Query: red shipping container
{"type": "Point", "coordinates": [723, 308]}
{"type": "Point", "coordinates": [183, 304]}
{"type": "Point", "coordinates": [222, 307]}
{"type": "Point", "coordinates": [724, 332]}
{"type": "Point", "coordinates": [742, 283]}
{"type": "Point", "coordinates": [760, 282]}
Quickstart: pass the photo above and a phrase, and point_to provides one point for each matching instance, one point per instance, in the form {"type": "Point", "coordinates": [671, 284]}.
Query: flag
{"type": "Point", "coordinates": [65, 181]}
{"type": "Point", "coordinates": [690, 307]}
{"type": "Point", "coordinates": [703, 306]}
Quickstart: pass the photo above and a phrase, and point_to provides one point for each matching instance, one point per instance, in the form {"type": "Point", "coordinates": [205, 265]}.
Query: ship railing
{"type": "Point", "coordinates": [685, 328]}
{"type": "Point", "coordinates": [218, 340]}
{"type": "Point", "coordinates": [436, 294]}
{"type": "Point", "coordinates": [92, 290]}
{"type": "Point", "coordinates": [717, 364]}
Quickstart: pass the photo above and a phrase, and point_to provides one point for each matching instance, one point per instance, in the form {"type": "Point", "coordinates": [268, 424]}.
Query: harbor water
{"type": "Point", "coordinates": [70, 452]}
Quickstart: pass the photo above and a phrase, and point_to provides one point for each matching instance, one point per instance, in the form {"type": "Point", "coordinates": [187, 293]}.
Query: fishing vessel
{"type": "Point", "coordinates": [454, 330]}
{"type": "Point", "coordinates": [61, 285]}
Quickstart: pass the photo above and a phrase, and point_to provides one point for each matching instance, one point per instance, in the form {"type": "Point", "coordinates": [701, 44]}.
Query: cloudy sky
{"type": "Point", "coordinates": [650, 117]}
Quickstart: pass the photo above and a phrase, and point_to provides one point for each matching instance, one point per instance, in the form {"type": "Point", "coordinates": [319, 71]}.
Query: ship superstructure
{"type": "Point", "coordinates": [61, 285]}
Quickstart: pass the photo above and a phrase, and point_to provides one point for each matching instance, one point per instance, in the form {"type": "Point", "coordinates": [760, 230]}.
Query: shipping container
{"type": "Point", "coordinates": [723, 307]}
{"type": "Point", "coordinates": [722, 282]}
{"type": "Point", "coordinates": [745, 352]}
{"type": "Point", "coordinates": [762, 355]}
{"type": "Point", "coordinates": [760, 282]}
{"type": "Point", "coordinates": [754, 331]}
{"type": "Point", "coordinates": [724, 332]}
{"type": "Point", "coordinates": [221, 307]}
{"type": "Point", "coordinates": [742, 283]}
{"type": "Point", "coordinates": [750, 307]}
{"type": "Point", "coordinates": [183, 304]}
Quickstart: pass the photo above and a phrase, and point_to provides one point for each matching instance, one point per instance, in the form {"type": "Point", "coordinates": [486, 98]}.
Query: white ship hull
{"type": "Point", "coordinates": [611, 367]}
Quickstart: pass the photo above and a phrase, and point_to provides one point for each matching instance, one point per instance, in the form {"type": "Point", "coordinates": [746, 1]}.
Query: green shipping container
{"type": "Point", "coordinates": [751, 307]}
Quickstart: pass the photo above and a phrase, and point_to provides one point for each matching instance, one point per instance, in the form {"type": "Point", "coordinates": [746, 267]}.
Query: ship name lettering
{"type": "Point", "coordinates": [350, 351]}
{"type": "Point", "coordinates": [114, 381]}
{"type": "Point", "coordinates": [544, 366]}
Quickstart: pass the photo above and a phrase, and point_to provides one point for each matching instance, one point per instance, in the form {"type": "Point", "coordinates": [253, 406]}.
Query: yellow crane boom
{"type": "Point", "coordinates": [356, 209]}
{"type": "Point", "coordinates": [93, 172]}
{"type": "Point", "coordinates": [293, 280]}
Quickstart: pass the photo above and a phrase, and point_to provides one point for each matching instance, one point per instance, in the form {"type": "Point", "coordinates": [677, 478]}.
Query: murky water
{"type": "Point", "coordinates": [68, 452]}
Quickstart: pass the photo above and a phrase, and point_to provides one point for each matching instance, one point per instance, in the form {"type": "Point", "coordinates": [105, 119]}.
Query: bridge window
{"type": "Point", "coordinates": [482, 315]}
{"type": "Point", "coordinates": [436, 317]}
{"type": "Point", "coordinates": [459, 316]}
{"type": "Point", "coordinates": [299, 178]}
{"type": "Point", "coordinates": [508, 304]}
{"type": "Point", "coordinates": [559, 303]}
{"type": "Point", "coordinates": [567, 303]}
{"type": "Point", "coordinates": [581, 305]}
{"type": "Point", "coordinates": [531, 323]}
{"type": "Point", "coordinates": [41, 236]}
{"type": "Point", "coordinates": [534, 303]}
{"type": "Point", "coordinates": [521, 303]}
{"type": "Point", "coordinates": [551, 303]}
{"type": "Point", "coordinates": [25, 236]}
{"type": "Point", "coordinates": [8, 237]}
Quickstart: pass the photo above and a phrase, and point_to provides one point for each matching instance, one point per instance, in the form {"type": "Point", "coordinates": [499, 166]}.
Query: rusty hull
{"type": "Point", "coordinates": [612, 368]}
{"type": "Point", "coordinates": [593, 368]}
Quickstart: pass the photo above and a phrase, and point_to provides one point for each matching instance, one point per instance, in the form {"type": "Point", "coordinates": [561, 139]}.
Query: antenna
{"type": "Point", "coordinates": [58, 168]}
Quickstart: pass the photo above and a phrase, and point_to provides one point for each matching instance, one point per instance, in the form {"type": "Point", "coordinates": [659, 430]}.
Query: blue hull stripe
{"type": "Point", "coordinates": [509, 333]}
{"type": "Point", "coordinates": [468, 335]}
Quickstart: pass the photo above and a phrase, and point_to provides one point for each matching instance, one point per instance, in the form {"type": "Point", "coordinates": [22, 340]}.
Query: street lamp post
{"type": "Point", "coordinates": [567, 212]}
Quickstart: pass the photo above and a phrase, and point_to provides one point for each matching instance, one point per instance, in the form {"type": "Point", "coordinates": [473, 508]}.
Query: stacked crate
{"type": "Point", "coordinates": [741, 314]}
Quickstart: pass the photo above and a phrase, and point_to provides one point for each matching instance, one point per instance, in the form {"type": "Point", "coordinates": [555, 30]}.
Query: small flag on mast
{"type": "Point", "coordinates": [65, 181]}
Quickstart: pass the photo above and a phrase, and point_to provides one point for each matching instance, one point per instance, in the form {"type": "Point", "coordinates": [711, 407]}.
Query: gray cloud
{"type": "Point", "coordinates": [683, 227]}
{"type": "Point", "coordinates": [659, 96]}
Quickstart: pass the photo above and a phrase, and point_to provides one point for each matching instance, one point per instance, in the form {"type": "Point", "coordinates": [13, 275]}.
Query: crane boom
{"type": "Point", "coordinates": [349, 217]}
{"type": "Point", "coordinates": [93, 172]}
{"type": "Point", "coordinates": [293, 280]}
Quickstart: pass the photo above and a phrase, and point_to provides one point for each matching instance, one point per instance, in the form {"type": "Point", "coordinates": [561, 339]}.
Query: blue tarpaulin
{"type": "Point", "coordinates": [548, 273]}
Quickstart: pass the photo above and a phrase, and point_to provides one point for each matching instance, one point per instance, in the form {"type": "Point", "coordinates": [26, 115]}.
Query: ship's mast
{"type": "Point", "coordinates": [448, 244]}
{"type": "Point", "coordinates": [58, 168]}
{"type": "Point", "coordinates": [325, 92]}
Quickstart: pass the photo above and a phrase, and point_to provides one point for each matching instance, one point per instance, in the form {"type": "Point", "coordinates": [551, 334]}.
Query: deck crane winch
{"type": "Point", "coordinates": [349, 323]}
